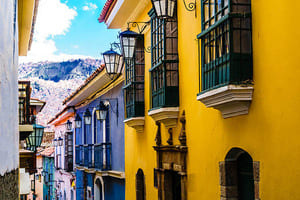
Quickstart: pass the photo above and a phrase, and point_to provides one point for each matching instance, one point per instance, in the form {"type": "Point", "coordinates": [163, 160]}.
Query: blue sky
{"type": "Point", "coordinates": [68, 29]}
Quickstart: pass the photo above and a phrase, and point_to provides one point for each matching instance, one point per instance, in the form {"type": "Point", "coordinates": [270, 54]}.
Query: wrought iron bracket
{"type": "Point", "coordinates": [190, 6]}
{"type": "Point", "coordinates": [115, 46]}
{"type": "Point", "coordinates": [137, 25]}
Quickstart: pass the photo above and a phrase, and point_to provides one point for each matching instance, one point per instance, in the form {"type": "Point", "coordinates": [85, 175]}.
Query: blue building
{"type": "Point", "coordinates": [48, 174]}
{"type": "Point", "coordinates": [99, 137]}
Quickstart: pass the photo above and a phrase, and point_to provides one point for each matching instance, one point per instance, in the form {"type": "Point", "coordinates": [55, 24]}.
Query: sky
{"type": "Point", "coordinates": [67, 29]}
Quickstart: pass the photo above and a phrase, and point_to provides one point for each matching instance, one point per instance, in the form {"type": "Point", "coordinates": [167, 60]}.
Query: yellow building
{"type": "Point", "coordinates": [212, 111]}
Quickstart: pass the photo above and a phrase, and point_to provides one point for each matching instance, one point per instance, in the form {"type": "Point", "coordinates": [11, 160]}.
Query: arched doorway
{"type": "Point", "coordinates": [98, 189]}
{"type": "Point", "coordinates": [238, 177]}
{"type": "Point", "coordinates": [140, 185]}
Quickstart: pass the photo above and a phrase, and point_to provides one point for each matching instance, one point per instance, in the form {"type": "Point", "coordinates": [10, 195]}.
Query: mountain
{"type": "Point", "coordinates": [54, 81]}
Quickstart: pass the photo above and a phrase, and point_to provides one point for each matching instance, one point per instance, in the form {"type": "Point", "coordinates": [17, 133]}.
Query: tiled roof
{"type": "Point", "coordinates": [48, 151]}
{"type": "Point", "coordinates": [86, 82]}
{"type": "Point", "coordinates": [106, 10]}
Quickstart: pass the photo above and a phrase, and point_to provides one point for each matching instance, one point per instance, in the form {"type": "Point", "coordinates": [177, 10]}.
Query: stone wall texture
{"type": "Point", "coordinates": [9, 185]}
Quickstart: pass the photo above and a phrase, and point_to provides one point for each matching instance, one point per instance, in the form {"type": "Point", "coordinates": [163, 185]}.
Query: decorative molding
{"type": "Point", "coordinates": [158, 135]}
{"type": "Point", "coordinates": [137, 123]}
{"type": "Point", "coordinates": [231, 100]}
{"type": "Point", "coordinates": [167, 116]}
{"type": "Point", "coordinates": [182, 135]}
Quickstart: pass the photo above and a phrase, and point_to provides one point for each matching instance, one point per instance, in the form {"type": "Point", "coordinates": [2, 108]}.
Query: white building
{"type": "Point", "coordinates": [17, 18]}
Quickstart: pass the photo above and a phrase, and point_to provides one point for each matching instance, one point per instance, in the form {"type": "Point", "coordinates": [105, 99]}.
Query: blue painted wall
{"type": "Point", "coordinates": [114, 129]}
{"type": "Point", "coordinates": [114, 188]}
{"type": "Point", "coordinates": [48, 166]}
{"type": "Point", "coordinates": [79, 184]}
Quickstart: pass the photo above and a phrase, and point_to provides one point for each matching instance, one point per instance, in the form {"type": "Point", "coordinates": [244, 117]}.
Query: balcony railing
{"type": "Point", "coordinates": [25, 118]}
{"type": "Point", "coordinates": [88, 155]}
{"type": "Point", "coordinates": [103, 156]}
{"type": "Point", "coordinates": [77, 155]}
{"type": "Point", "coordinates": [101, 153]}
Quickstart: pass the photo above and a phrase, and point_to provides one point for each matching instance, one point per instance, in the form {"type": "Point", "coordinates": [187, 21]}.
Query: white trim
{"type": "Point", "coordinates": [136, 122]}
{"type": "Point", "coordinates": [231, 100]}
{"type": "Point", "coordinates": [114, 12]}
{"type": "Point", "coordinates": [167, 116]}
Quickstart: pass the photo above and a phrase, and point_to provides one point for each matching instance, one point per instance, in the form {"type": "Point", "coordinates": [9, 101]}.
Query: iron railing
{"type": "Point", "coordinates": [88, 152]}
{"type": "Point", "coordinates": [102, 156]}
{"type": "Point", "coordinates": [78, 155]}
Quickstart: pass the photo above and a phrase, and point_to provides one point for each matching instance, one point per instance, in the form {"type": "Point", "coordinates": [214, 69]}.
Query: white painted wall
{"type": "Point", "coordinates": [9, 133]}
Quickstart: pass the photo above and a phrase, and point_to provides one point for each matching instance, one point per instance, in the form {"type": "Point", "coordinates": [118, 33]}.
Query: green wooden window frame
{"type": "Point", "coordinates": [225, 43]}
{"type": "Point", "coordinates": [164, 62]}
{"type": "Point", "coordinates": [134, 82]}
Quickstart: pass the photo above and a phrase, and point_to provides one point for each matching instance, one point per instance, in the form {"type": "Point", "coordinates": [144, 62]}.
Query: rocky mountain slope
{"type": "Point", "coordinates": [54, 81]}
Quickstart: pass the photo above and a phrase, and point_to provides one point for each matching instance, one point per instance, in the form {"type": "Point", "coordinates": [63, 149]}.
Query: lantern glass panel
{"type": "Point", "coordinates": [60, 141]}
{"type": "Point", "coordinates": [69, 125]}
{"type": "Point", "coordinates": [87, 117]}
{"type": "Point", "coordinates": [164, 8]}
{"type": "Point", "coordinates": [128, 46]}
{"type": "Point", "coordinates": [55, 142]}
{"type": "Point", "coordinates": [112, 61]}
{"type": "Point", "coordinates": [78, 122]}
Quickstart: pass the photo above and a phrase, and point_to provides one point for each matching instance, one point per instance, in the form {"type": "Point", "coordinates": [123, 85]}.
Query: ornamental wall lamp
{"type": "Point", "coordinates": [128, 38]}
{"type": "Point", "coordinates": [101, 111]}
{"type": "Point", "coordinates": [87, 117]}
{"type": "Point", "coordinates": [69, 125]}
{"type": "Point", "coordinates": [103, 107]}
{"type": "Point", "coordinates": [78, 121]}
{"type": "Point", "coordinates": [113, 61]}
{"type": "Point", "coordinates": [165, 8]}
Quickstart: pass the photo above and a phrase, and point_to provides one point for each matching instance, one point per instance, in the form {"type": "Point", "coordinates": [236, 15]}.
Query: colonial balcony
{"type": "Point", "coordinates": [96, 156]}
{"type": "Point", "coordinates": [103, 156]}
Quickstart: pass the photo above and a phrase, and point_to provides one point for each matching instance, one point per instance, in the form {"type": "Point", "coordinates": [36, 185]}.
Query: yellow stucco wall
{"type": "Point", "coordinates": [269, 133]}
{"type": "Point", "coordinates": [25, 17]}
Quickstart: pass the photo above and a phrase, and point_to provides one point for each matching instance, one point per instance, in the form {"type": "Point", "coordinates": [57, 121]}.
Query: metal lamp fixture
{"type": "Point", "coordinates": [87, 117]}
{"type": "Point", "coordinates": [113, 62]}
{"type": "Point", "coordinates": [78, 121]}
{"type": "Point", "coordinates": [55, 142]}
{"type": "Point", "coordinates": [101, 111]}
{"type": "Point", "coordinates": [69, 125]}
{"type": "Point", "coordinates": [35, 138]}
{"type": "Point", "coordinates": [164, 8]}
{"type": "Point", "coordinates": [128, 43]}
{"type": "Point", "coordinates": [60, 141]}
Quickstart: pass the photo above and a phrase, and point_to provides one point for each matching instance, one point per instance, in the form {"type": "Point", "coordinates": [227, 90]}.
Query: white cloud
{"type": "Point", "coordinates": [54, 18]}
{"type": "Point", "coordinates": [89, 6]}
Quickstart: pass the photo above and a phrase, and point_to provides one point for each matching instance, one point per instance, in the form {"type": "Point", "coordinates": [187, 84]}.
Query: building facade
{"type": "Point", "coordinates": [99, 143]}
{"type": "Point", "coordinates": [16, 31]}
{"type": "Point", "coordinates": [64, 154]}
{"type": "Point", "coordinates": [220, 108]}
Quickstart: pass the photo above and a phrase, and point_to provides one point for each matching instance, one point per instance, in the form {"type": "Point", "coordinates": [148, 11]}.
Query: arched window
{"type": "Point", "coordinates": [239, 176]}
{"type": "Point", "coordinates": [140, 185]}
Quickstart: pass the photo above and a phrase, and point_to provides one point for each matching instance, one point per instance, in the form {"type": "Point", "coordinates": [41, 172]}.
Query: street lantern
{"type": "Point", "coordinates": [128, 41]}
{"type": "Point", "coordinates": [113, 62]}
{"type": "Point", "coordinates": [35, 138]}
{"type": "Point", "coordinates": [87, 117]}
{"type": "Point", "coordinates": [69, 125]}
{"type": "Point", "coordinates": [60, 141]}
{"type": "Point", "coordinates": [78, 121]}
{"type": "Point", "coordinates": [101, 111]}
{"type": "Point", "coordinates": [55, 142]}
{"type": "Point", "coordinates": [164, 8]}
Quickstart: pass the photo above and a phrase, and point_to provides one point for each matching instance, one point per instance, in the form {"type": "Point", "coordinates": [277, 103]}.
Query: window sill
{"type": "Point", "coordinates": [231, 100]}
{"type": "Point", "coordinates": [136, 122]}
{"type": "Point", "coordinates": [167, 116]}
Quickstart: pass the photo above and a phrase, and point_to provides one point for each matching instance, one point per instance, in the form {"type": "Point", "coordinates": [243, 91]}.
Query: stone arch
{"type": "Point", "coordinates": [98, 188]}
{"type": "Point", "coordinates": [239, 176]}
